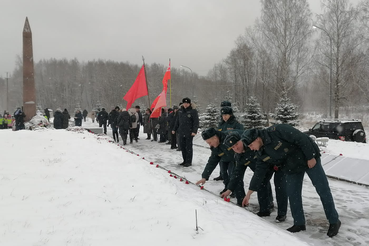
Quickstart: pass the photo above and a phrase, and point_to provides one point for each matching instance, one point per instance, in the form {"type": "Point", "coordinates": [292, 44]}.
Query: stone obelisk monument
{"type": "Point", "coordinates": [29, 90]}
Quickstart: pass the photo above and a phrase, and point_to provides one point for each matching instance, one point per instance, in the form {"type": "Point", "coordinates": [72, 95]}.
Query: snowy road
{"type": "Point", "coordinates": [352, 201]}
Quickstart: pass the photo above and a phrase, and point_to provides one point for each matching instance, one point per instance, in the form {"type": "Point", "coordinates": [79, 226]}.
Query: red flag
{"type": "Point", "coordinates": [161, 101]}
{"type": "Point", "coordinates": [138, 89]}
{"type": "Point", "coordinates": [166, 78]}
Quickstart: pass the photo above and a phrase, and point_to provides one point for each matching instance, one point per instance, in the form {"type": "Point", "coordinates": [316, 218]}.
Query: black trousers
{"type": "Point", "coordinates": [173, 141]}
{"type": "Point", "coordinates": [186, 147]}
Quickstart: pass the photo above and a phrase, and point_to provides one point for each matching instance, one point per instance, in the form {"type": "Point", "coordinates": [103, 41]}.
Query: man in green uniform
{"type": "Point", "coordinates": [219, 152]}
{"type": "Point", "coordinates": [246, 158]}
{"type": "Point", "coordinates": [296, 154]}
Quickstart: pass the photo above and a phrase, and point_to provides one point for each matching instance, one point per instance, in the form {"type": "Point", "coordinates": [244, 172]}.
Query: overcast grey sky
{"type": "Point", "coordinates": [194, 33]}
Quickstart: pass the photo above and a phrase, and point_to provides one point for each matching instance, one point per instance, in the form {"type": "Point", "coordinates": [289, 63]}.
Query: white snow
{"type": "Point", "coordinates": [63, 187]}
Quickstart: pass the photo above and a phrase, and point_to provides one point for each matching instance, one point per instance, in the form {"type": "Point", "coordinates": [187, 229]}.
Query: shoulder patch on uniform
{"type": "Point", "coordinates": [278, 145]}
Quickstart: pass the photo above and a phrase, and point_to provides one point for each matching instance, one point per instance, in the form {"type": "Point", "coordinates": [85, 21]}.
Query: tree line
{"type": "Point", "coordinates": [281, 57]}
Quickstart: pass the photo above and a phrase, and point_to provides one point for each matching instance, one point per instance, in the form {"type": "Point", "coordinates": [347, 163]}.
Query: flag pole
{"type": "Point", "coordinates": [148, 93]}
{"type": "Point", "coordinates": [170, 89]}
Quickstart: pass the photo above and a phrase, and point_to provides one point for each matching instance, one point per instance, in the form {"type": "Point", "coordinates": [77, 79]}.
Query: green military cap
{"type": "Point", "coordinates": [225, 103]}
{"type": "Point", "coordinates": [250, 135]}
{"type": "Point", "coordinates": [231, 139]}
{"type": "Point", "coordinates": [226, 110]}
{"type": "Point", "coordinates": [208, 133]}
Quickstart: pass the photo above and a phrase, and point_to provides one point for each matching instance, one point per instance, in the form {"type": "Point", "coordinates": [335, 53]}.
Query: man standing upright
{"type": "Point", "coordinates": [102, 118]}
{"type": "Point", "coordinates": [139, 121]}
{"type": "Point", "coordinates": [186, 125]}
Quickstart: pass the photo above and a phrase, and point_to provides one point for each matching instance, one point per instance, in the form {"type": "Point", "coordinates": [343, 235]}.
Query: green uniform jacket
{"type": "Point", "coordinates": [220, 153]}
{"type": "Point", "coordinates": [242, 161]}
{"type": "Point", "coordinates": [285, 148]}
{"type": "Point", "coordinates": [230, 124]}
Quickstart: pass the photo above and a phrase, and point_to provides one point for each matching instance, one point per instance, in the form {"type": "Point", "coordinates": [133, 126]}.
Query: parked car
{"type": "Point", "coordinates": [343, 130]}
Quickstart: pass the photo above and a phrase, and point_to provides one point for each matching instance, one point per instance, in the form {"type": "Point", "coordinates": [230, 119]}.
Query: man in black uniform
{"type": "Point", "coordinates": [103, 117]}
{"type": "Point", "coordinates": [244, 158]}
{"type": "Point", "coordinates": [296, 154]}
{"type": "Point", "coordinates": [186, 125]}
{"type": "Point", "coordinates": [219, 152]}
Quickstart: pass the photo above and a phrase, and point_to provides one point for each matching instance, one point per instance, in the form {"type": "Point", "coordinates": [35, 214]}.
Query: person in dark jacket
{"type": "Point", "coordinates": [244, 158]}
{"type": "Point", "coordinates": [66, 118]}
{"type": "Point", "coordinates": [295, 153]}
{"type": "Point", "coordinates": [187, 125]}
{"type": "Point", "coordinates": [124, 124]}
{"type": "Point", "coordinates": [227, 123]}
{"type": "Point", "coordinates": [113, 122]}
{"type": "Point", "coordinates": [219, 152]}
{"type": "Point", "coordinates": [84, 113]}
{"type": "Point", "coordinates": [19, 116]}
{"type": "Point", "coordinates": [58, 119]}
{"type": "Point", "coordinates": [47, 113]}
{"type": "Point", "coordinates": [163, 126]}
{"type": "Point", "coordinates": [102, 118]}
{"type": "Point", "coordinates": [169, 130]}
{"type": "Point", "coordinates": [78, 118]}
{"type": "Point", "coordinates": [139, 120]}
{"type": "Point", "coordinates": [147, 123]}
{"type": "Point", "coordinates": [154, 127]}
{"type": "Point", "coordinates": [171, 122]}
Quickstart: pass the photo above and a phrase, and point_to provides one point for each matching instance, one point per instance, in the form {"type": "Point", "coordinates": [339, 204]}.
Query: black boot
{"type": "Point", "coordinates": [280, 218]}
{"type": "Point", "coordinates": [333, 229]}
{"type": "Point", "coordinates": [297, 228]}
{"type": "Point", "coordinates": [218, 178]}
{"type": "Point", "coordinates": [263, 214]}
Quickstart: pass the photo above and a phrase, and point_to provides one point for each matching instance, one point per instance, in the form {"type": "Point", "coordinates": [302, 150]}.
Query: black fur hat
{"type": "Point", "coordinates": [225, 103]}
{"type": "Point", "coordinates": [226, 110]}
{"type": "Point", "coordinates": [208, 133]}
{"type": "Point", "coordinates": [186, 100]}
{"type": "Point", "coordinates": [232, 138]}
{"type": "Point", "coordinates": [250, 135]}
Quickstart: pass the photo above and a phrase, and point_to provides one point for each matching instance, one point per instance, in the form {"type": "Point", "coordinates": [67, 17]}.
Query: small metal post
{"type": "Point", "coordinates": [197, 227]}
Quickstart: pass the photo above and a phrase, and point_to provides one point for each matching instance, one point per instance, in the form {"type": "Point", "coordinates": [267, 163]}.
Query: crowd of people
{"type": "Point", "coordinates": [280, 151]}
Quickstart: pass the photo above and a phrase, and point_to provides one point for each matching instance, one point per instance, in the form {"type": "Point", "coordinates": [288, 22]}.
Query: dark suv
{"type": "Point", "coordinates": [343, 130]}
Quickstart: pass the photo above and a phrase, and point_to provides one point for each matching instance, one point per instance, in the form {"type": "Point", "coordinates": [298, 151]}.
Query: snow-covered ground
{"type": "Point", "coordinates": [61, 187]}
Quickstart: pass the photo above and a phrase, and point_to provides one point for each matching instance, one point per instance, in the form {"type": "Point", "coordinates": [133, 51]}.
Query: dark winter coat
{"type": "Point", "coordinates": [85, 113]}
{"type": "Point", "coordinates": [47, 113]}
{"type": "Point", "coordinates": [124, 121]}
{"type": "Point", "coordinates": [187, 122]}
{"type": "Point", "coordinates": [140, 120]}
{"type": "Point", "coordinates": [171, 120]}
{"type": "Point", "coordinates": [220, 153]}
{"type": "Point", "coordinates": [66, 118]}
{"type": "Point", "coordinates": [147, 123]}
{"type": "Point", "coordinates": [78, 119]}
{"type": "Point", "coordinates": [103, 117]}
{"type": "Point", "coordinates": [284, 148]}
{"type": "Point", "coordinates": [58, 120]}
{"type": "Point", "coordinates": [230, 124]}
{"type": "Point", "coordinates": [113, 118]}
{"type": "Point", "coordinates": [163, 123]}
{"type": "Point", "coordinates": [242, 161]}
{"type": "Point", "coordinates": [19, 116]}
{"type": "Point", "coordinates": [154, 123]}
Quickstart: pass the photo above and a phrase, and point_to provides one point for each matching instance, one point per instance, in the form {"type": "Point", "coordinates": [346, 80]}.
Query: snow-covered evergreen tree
{"type": "Point", "coordinates": [286, 111]}
{"type": "Point", "coordinates": [210, 118]}
{"type": "Point", "coordinates": [253, 117]}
